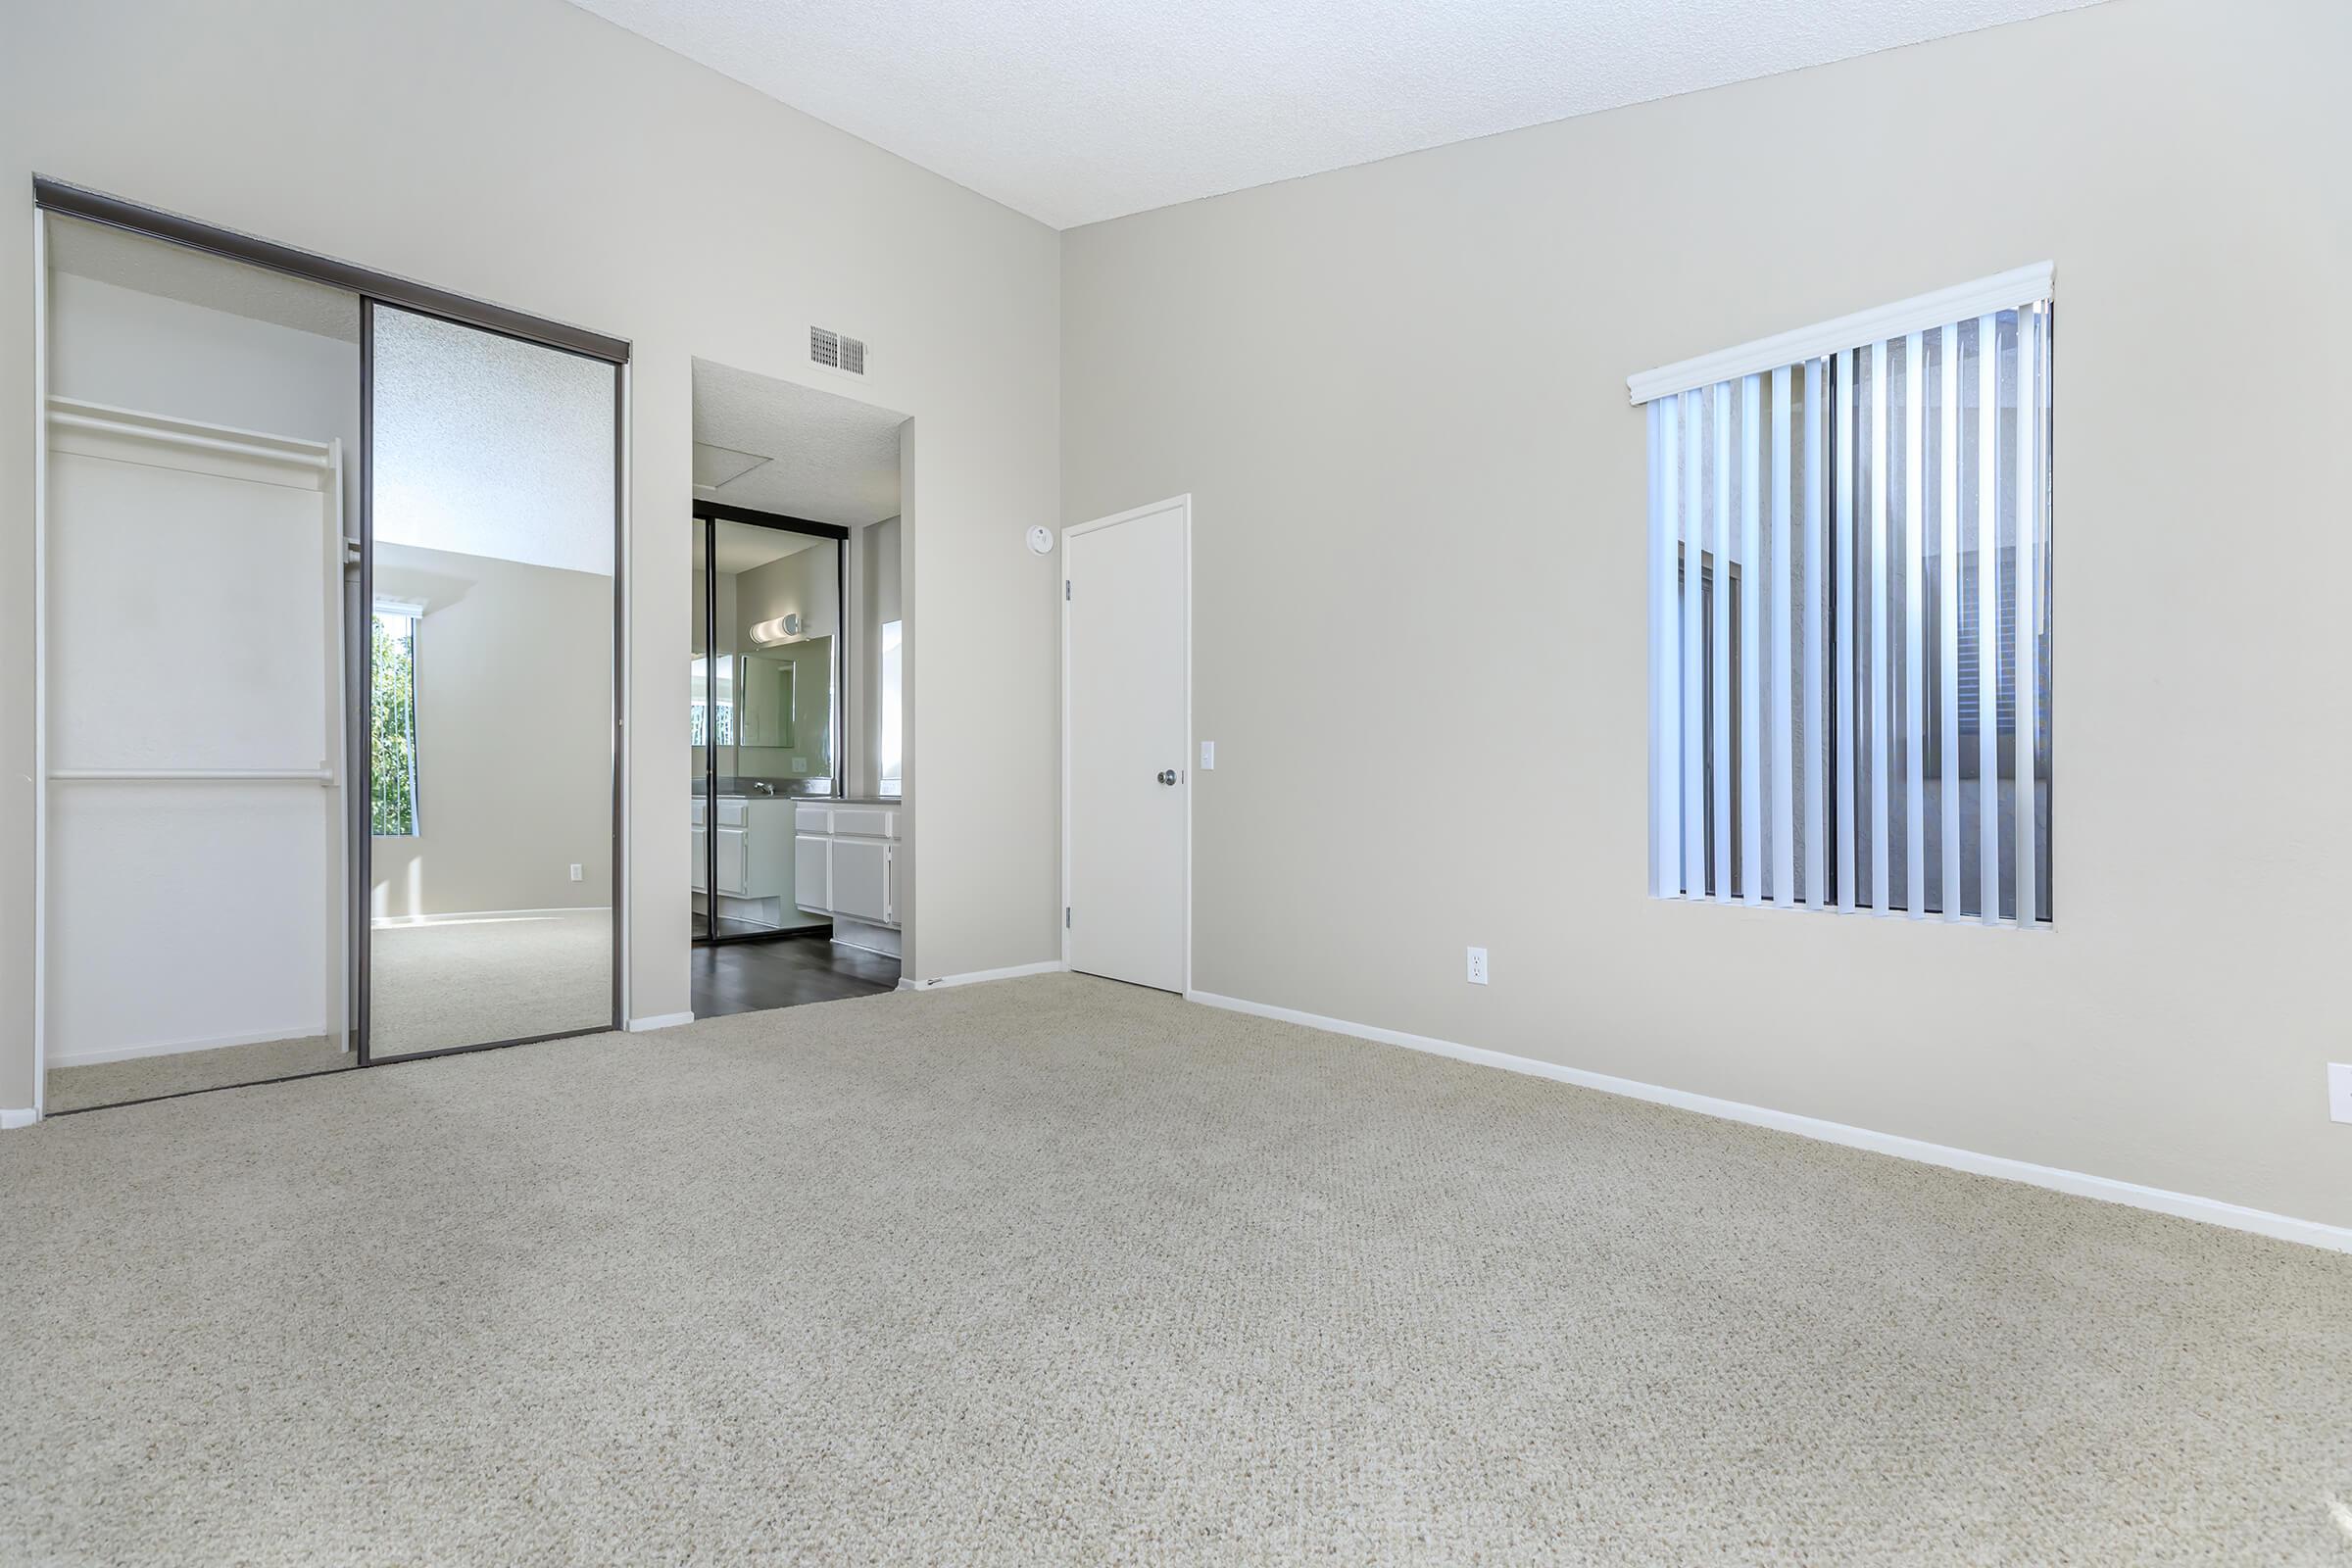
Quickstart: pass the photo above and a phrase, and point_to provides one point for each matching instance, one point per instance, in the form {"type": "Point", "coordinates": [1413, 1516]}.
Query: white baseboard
{"type": "Point", "coordinates": [172, 1047]}
{"type": "Point", "coordinates": [1052, 966]}
{"type": "Point", "coordinates": [12, 1119]}
{"type": "Point", "coordinates": [2184, 1206]}
{"type": "Point", "coordinates": [659, 1020]}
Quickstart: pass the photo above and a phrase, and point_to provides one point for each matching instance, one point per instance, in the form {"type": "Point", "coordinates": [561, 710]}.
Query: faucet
{"type": "Point", "coordinates": [763, 786]}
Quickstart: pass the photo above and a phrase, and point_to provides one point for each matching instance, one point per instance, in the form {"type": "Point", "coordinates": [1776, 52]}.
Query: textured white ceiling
{"type": "Point", "coordinates": [830, 459]}
{"type": "Point", "coordinates": [1075, 110]}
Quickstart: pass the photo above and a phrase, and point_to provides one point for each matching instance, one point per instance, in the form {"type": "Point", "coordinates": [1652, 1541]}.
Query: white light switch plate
{"type": "Point", "coordinates": [1208, 756]}
{"type": "Point", "coordinates": [2339, 1090]}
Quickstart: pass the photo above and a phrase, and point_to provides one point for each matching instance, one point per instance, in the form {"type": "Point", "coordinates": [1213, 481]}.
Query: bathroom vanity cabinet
{"type": "Point", "coordinates": [755, 847]}
{"type": "Point", "coordinates": [845, 859]}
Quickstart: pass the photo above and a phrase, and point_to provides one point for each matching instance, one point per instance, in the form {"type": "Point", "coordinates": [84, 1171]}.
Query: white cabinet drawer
{"type": "Point", "coordinates": [866, 821]}
{"type": "Point", "coordinates": [730, 812]}
{"type": "Point", "coordinates": [812, 818]}
{"type": "Point", "coordinates": [700, 850]}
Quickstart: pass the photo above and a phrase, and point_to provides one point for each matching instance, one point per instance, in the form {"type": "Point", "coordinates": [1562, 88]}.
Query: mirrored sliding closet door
{"type": "Point", "coordinates": [489, 687]}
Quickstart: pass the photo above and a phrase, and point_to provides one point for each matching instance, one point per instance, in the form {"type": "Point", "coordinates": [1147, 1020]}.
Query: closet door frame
{"type": "Point", "coordinates": [51, 195]}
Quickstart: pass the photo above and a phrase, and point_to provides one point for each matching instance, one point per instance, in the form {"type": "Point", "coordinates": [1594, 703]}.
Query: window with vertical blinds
{"type": "Point", "coordinates": [1849, 570]}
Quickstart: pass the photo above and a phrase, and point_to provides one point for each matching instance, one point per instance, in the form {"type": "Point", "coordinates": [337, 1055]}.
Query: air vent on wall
{"type": "Point", "coordinates": [835, 352]}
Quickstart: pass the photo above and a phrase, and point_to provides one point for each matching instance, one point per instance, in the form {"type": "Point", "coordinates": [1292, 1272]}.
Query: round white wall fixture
{"type": "Point", "coordinates": [1041, 540]}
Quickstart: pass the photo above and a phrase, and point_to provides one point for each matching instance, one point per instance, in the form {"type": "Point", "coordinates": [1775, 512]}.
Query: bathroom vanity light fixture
{"type": "Point", "coordinates": [782, 629]}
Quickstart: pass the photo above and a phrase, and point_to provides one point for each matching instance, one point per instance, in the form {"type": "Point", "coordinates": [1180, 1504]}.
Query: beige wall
{"type": "Point", "coordinates": [513, 737]}
{"type": "Point", "coordinates": [531, 154]}
{"type": "Point", "coordinates": [1397, 395]}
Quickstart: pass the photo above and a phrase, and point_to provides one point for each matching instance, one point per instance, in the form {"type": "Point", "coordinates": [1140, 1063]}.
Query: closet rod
{"type": "Point", "coordinates": [197, 775]}
{"type": "Point", "coordinates": [182, 438]}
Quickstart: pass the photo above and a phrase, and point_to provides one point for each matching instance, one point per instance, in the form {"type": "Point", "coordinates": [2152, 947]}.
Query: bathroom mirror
{"type": "Point", "coordinates": [768, 711]}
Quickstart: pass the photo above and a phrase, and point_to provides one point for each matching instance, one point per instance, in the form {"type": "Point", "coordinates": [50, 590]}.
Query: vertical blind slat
{"type": "Point", "coordinates": [1882, 633]}
{"type": "Point", "coordinates": [1849, 828]}
{"type": "Point", "coordinates": [1665, 664]}
{"type": "Point", "coordinates": [1752, 704]}
{"type": "Point", "coordinates": [1720, 825]}
{"type": "Point", "coordinates": [1989, 621]}
{"type": "Point", "coordinates": [1948, 614]}
{"type": "Point", "coordinates": [1695, 746]}
{"type": "Point", "coordinates": [2027, 322]}
{"type": "Point", "coordinates": [1817, 809]}
{"type": "Point", "coordinates": [1784, 728]}
{"type": "Point", "coordinates": [1915, 661]}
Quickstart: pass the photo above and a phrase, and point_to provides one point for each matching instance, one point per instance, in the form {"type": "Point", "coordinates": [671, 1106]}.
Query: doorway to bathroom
{"type": "Point", "coordinates": [798, 809]}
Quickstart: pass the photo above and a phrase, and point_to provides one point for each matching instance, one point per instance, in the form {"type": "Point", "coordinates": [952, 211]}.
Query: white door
{"type": "Point", "coordinates": [1127, 820]}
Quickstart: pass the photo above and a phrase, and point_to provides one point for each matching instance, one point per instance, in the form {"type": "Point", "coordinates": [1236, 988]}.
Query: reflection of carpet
{"type": "Point", "coordinates": [467, 979]}
{"type": "Point", "coordinates": [110, 1083]}
{"type": "Point", "coordinates": [1058, 1271]}
{"type": "Point", "coordinates": [455, 980]}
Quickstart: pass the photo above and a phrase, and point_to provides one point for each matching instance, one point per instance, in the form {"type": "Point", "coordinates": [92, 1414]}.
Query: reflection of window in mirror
{"type": "Point", "coordinates": [887, 739]}
{"type": "Point", "coordinates": [392, 721]}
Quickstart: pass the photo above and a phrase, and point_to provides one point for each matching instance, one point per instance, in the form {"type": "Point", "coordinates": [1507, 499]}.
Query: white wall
{"type": "Point", "coordinates": [531, 154]}
{"type": "Point", "coordinates": [1397, 395]}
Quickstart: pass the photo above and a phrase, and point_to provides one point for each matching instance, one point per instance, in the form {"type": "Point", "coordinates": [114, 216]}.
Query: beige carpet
{"type": "Point", "coordinates": [1058, 1271]}
{"type": "Point", "coordinates": [112, 1083]}
{"type": "Point", "coordinates": [464, 979]}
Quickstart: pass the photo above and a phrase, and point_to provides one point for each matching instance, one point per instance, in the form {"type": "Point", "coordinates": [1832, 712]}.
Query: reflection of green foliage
{"type": "Point", "coordinates": [393, 733]}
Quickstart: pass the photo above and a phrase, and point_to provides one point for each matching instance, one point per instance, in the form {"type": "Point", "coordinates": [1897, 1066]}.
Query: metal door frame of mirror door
{"type": "Point", "coordinates": [372, 288]}
{"type": "Point", "coordinates": [360, 660]}
{"type": "Point", "coordinates": [711, 513]}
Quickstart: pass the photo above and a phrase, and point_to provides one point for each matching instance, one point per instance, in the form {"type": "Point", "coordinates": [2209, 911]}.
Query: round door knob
{"type": "Point", "coordinates": [1167, 775]}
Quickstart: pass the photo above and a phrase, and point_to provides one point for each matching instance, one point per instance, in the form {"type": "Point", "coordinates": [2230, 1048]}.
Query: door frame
{"type": "Point", "coordinates": [1182, 506]}
{"type": "Point", "coordinates": [708, 516]}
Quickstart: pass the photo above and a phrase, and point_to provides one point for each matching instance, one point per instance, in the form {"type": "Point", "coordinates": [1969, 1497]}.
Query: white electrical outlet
{"type": "Point", "coordinates": [1208, 756]}
{"type": "Point", "coordinates": [2339, 1090]}
{"type": "Point", "coordinates": [575, 871]}
{"type": "Point", "coordinates": [1478, 966]}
